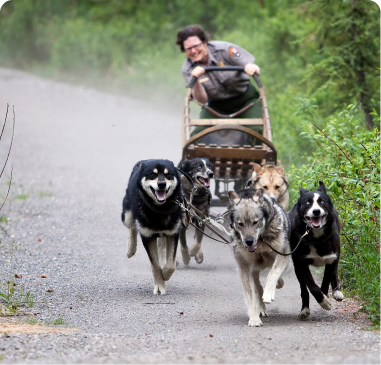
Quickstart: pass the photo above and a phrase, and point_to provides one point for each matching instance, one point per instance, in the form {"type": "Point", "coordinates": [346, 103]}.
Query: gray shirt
{"type": "Point", "coordinates": [222, 85]}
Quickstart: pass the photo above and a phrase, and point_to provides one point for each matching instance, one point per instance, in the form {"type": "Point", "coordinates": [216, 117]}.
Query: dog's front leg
{"type": "Point", "coordinates": [184, 247]}
{"type": "Point", "coordinates": [162, 250]}
{"type": "Point", "coordinates": [336, 291]}
{"type": "Point", "coordinates": [259, 289]}
{"type": "Point", "coordinates": [195, 250]}
{"type": "Point", "coordinates": [330, 276]}
{"type": "Point", "coordinates": [133, 233]}
{"type": "Point", "coordinates": [251, 295]}
{"type": "Point", "coordinates": [280, 264]}
{"type": "Point", "coordinates": [171, 248]}
{"type": "Point", "coordinates": [150, 244]}
{"type": "Point", "coordinates": [305, 274]}
{"type": "Point", "coordinates": [305, 312]}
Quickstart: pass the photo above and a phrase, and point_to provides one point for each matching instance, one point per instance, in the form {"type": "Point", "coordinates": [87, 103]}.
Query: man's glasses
{"type": "Point", "coordinates": [193, 47]}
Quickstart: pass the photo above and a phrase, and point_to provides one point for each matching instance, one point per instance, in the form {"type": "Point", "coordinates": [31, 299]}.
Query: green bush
{"type": "Point", "coordinates": [347, 160]}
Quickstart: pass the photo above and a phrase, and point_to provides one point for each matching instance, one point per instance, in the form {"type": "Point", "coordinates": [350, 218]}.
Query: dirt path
{"type": "Point", "coordinates": [73, 151]}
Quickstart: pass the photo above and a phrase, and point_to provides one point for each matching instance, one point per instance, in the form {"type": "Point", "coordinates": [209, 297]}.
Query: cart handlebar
{"type": "Point", "coordinates": [226, 68]}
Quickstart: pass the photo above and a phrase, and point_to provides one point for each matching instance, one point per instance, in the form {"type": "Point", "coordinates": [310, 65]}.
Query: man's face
{"type": "Point", "coordinates": [196, 50]}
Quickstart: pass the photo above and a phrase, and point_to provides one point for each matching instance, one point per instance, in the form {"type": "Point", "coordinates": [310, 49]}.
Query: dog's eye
{"type": "Point", "coordinates": [277, 186]}
{"type": "Point", "coordinates": [265, 187]}
{"type": "Point", "coordinates": [240, 224]}
{"type": "Point", "coordinates": [308, 203]}
{"type": "Point", "coordinates": [199, 167]}
{"type": "Point", "coordinates": [255, 222]}
{"type": "Point", "coordinates": [322, 202]}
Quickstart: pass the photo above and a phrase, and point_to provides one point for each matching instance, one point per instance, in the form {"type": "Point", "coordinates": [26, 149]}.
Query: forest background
{"type": "Point", "coordinates": [320, 64]}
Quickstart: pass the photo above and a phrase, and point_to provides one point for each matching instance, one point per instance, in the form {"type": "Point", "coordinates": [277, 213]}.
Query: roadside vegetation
{"type": "Point", "coordinates": [319, 64]}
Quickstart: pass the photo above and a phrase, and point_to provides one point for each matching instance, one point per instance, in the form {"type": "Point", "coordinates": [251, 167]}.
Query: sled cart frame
{"type": "Point", "coordinates": [231, 162]}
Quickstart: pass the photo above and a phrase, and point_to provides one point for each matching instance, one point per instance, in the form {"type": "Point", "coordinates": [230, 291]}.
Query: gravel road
{"type": "Point", "coordinates": [72, 154]}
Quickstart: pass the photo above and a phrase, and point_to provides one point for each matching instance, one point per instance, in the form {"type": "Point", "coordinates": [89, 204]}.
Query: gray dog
{"type": "Point", "coordinates": [254, 218]}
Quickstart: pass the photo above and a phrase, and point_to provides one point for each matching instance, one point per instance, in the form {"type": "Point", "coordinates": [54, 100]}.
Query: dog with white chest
{"type": "Point", "coordinates": [314, 212]}
{"type": "Point", "coordinates": [254, 220]}
{"type": "Point", "coordinates": [150, 208]}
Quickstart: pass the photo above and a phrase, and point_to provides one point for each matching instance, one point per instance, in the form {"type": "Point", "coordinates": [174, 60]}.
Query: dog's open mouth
{"type": "Point", "coordinates": [251, 248]}
{"type": "Point", "coordinates": [316, 222]}
{"type": "Point", "coordinates": [203, 181]}
{"type": "Point", "coordinates": [160, 194]}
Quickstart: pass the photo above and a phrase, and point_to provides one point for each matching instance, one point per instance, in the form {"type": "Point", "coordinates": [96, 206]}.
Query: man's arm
{"type": "Point", "coordinates": [198, 90]}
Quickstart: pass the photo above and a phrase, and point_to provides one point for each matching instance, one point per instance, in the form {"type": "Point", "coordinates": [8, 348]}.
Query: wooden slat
{"type": "Point", "coordinates": [248, 121]}
{"type": "Point", "coordinates": [239, 153]}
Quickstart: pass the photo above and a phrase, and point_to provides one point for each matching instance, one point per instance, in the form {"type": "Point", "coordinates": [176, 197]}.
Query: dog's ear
{"type": "Point", "coordinates": [322, 187]}
{"type": "Point", "coordinates": [302, 191]}
{"type": "Point", "coordinates": [258, 195]}
{"type": "Point", "coordinates": [280, 169]}
{"type": "Point", "coordinates": [257, 171]}
{"type": "Point", "coordinates": [184, 165]}
{"type": "Point", "coordinates": [233, 198]}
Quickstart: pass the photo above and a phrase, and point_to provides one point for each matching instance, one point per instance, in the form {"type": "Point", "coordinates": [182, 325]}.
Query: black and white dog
{"type": "Point", "coordinates": [200, 170]}
{"type": "Point", "coordinates": [149, 208]}
{"type": "Point", "coordinates": [321, 247]}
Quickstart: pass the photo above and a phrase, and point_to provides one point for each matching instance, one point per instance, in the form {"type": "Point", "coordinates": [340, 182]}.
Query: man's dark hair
{"type": "Point", "coordinates": [191, 31]}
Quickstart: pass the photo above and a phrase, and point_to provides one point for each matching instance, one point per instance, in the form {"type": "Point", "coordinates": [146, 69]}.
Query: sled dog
{"type": "Point", "coordinates": [274, 182]}
{"type": "Point", "coordinates": [321, 247]}
{"type": "Point", "coordinates": [254, 218]}
{"type": "Point", "coordinates": [149, 208]}
{"type": "Point", "coordinates": [200, 170]}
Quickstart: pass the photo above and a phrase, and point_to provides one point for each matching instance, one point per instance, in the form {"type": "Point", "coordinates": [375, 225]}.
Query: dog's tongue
{"type": "Point", "coordinates": [251, 248]}
{"type": "Point", "coordinates": [205, 181]}
{"type": "Point", "coordinates": [160, 194]}
{"type": "Point", "coordinates": [316, 221]}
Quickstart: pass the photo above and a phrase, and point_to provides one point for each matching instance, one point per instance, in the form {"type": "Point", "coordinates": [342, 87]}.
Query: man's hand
{"type": "Point", "coordinates": [198, 71]}
{"type": "Point", "coordinates": [251, 69]}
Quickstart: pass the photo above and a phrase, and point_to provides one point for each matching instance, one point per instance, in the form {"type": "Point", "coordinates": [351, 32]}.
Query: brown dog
{"type": "Point", "coordinates": [274, 182]}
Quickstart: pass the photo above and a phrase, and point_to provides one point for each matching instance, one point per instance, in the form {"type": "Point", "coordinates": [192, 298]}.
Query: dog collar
{"type": "Point", "coordinates": [164, 210]}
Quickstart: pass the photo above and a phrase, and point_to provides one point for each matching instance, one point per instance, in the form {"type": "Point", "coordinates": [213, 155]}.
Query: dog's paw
{"type": "Point", "coordinates": [159, 290]}
{"type": "Point", "coordinates": [326, 304]}
{"type": "Point", "coordinates": [131, 251]}
{"type": "Point", "coordinates": [255, 322]}
{"type": "Point", "coordinates": [305, 313]}
{"type": "Point", "coordinates": [338, 295]}
{"type": "Point", "coordinates": [199, 257]}
{"type": "Point", "coordinates": [280, 283]}
{"type": "Point", "coordinates": [268, 297]}
{"type": "Point", "coordinates": [263, 313]}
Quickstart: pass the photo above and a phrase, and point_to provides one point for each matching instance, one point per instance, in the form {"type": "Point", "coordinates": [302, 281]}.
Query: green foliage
{"type": "Point", "coordinates": [348, 57]}
{"type": "Point", "coordinates": [14, 295]}
{"type": "Point", "coordinates": [32, 320]}
{"type": "Point", "coordinates": [57, 322]}
{"type": "Point", "coordinates": [347, 160]}
{"type": "Point", "coordinates": [21, 197]}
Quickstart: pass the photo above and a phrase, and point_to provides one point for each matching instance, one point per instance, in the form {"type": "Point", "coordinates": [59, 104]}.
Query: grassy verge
{"type": "Point", "coordinates": [347, 160]}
